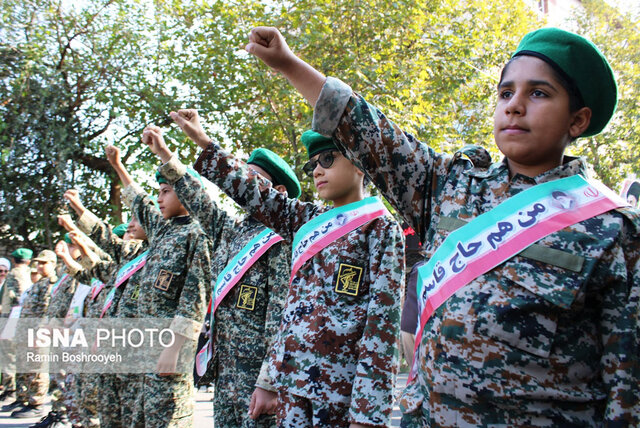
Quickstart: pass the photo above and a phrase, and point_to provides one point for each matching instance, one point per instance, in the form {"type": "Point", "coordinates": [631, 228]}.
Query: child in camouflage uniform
{"type": "Point", "coordinates": [175, 285]}
{"type": "Point", "coordinates": [549, 336]}
{"type": "Point", "coordinates": [243, 329]}
{"type": "Point", "coordinates": [117, 391]}
{"type": "Point", "coordinates": [335, 357]}
{"type": "Point", "coordinates": [33, 387]}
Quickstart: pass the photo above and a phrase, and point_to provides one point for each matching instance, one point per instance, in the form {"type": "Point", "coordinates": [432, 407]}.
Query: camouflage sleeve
{"type": "Point", "coordinates": [620, 332]}
{"type": "Point", "coordinates": [144, 209]}
{"type": "Point", "coordinates": [59, 304]}
{"type": "Point", "coordinates": [372, 394]}
{"type": "Point", "coordinates": [196, 291]}
{"type": "Point", "coordinates": [400, 166]}
{"type": "Point", "coordinates": [278, 279]}
{"type": "Point", "coordinates": [194, 197]}
{"type": "Point", "coordinates": [255, 194]}
{"type": "Point", "coordinates": [102, 234]}
{"type": "Point", "coordinates": [42, 298]}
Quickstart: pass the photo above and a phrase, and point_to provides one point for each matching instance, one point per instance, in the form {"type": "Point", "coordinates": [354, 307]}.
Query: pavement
{"type": "Point", "coordinates": [203, 409]}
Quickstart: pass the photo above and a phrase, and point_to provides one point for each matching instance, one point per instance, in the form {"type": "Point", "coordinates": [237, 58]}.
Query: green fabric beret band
{"type": "Point", "coordinates": [316, 143]}
{"type": "Point", "coordinates": [583, 64]}
{"type": "Point", "coordinates": [22, 253]}
{"type": "Point", "coordinates": [120, 229]}
{"type": "Point", "coordinates": [278, 169]}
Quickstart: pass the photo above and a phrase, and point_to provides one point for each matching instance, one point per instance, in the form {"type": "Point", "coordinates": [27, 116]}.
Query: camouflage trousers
{"type": "Point", "coordinates": [129, 391]}
{"type": "Point", "coordinates": [59, 390]}
{"type": "Point", "coordinates": [7, 352]}
{"type": "Point", "coordinates": [109, 401]}
{"type": "Point", "coordinates": [165, 401]}
{"type": "Point", "coordinates": [32, 387]}
{"type": "Point", "coordinates": [294, 411]}
{"type": "Point", "coordinates": [85, 398]}
{"type": "Point", "coordinates": [235, 382]}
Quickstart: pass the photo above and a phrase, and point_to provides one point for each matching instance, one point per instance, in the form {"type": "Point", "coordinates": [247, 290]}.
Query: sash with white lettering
{"type": "Point", "coordinates": [124, 273]}
{"type": "Point", "coordinates": [96, 287]}
{"type": "Point", "coordinates": [232, 273]}
{"type": "Point", "coordinates": [324, 229]}
{"type": "Point", "coordinates": [497, 235]}
{"type": "Point", "coordinates": [56, 286]}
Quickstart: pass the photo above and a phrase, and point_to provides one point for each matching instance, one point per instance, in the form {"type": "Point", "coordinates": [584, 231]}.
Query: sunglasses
{"type": "Point", "coordinates": [4, 271]}
{"type": "Point", "coordinates": [325, 159]}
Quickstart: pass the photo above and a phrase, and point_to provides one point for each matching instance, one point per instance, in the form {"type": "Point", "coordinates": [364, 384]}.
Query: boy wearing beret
{"type": "Point", "coordinates": [18, 280]}
{"type": "Point", "coordinates": [335, 357]}
{"type": "Point", "coordinates": [126, 244]}
{"type": "Point", "coordinates": [529, 299]}
{"type": "Point", "coordinates": [251, 267]}
{"type": "Point", "coordinates": [175, 285]}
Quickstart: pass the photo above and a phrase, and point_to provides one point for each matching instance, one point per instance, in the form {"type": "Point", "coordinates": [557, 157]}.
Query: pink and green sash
{"type": "Point", "coordinates": [96, 287]}
{"type": "Point", "coordinates": [232, 273]}
{"type": "Point", "coordinates": [124, 273]}
{"type": "Point", "coordinates": [506, 230]}
{"type": "Point", "coordinates": [56, 286]}
{"type": "Point", "coordinates": [324, 229]}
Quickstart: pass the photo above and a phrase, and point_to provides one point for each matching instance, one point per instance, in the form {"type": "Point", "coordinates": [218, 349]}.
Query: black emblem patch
{"type": "Point", "coordinates": [349, 279]}
{"type": "Point", "coordinates": [164, 280]}
{"type": "Point", "coordinates": [247, 297]}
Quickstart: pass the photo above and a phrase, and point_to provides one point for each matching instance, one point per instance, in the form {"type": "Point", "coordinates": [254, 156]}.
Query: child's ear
{"type": "Point", "coordinates": [580, 122]}
{"type": "Point", "coordinates": [281, 188]}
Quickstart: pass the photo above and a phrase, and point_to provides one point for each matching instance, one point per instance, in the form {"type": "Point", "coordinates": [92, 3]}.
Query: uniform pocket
{"type": "Point", "coordinates": [523, 309]}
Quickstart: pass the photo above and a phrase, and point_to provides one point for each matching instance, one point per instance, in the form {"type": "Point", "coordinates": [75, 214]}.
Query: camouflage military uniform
{"type": "Point", "coordinates": [33, 387]}
{"type": "Point", "coordinates": [243, 330]}
{"type": "Point", "coordinates": [529, 342]}
{"type": "Point", "coordinates": [175, 285]}
{"type": "Point", "coordinates": [332, 347]}
{"type": "Point", "coordinates": [113, 409]}
{"type": "Point", "coordinates": [17, 280]}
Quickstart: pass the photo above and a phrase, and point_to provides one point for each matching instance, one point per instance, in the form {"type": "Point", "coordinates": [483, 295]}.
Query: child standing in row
{"type": "Point", "coordinates": [335, 357]}
{"type": "Point", "coordinates": [508, 335]}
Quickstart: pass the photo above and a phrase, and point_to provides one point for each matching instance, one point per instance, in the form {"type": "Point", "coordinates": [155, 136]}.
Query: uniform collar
{"type": "Point", "coordinates": [571, 166]}
{"type": "Point", "coordinates": [183, 219]}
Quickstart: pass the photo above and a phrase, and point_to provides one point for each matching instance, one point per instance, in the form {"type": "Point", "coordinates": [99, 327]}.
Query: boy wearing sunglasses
{"type": "Point", "coordinates": [335, 358]}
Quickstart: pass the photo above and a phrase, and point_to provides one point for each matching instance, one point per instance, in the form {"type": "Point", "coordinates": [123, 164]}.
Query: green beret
{"type": "Point", "coordinates": [277, 168]}
{"type": "Point", "coordinates": [22, 254]}
{"type": "Point", "coordinates": [316, 143]}
{"type": "Point", "coordinates": [160, 178]}
{"type": "Point", "coordinates": [120, 229]}
{"type": "Point", "coordinates": [582, 64]}
{"type": "Point", "coordinates": [66, 238]}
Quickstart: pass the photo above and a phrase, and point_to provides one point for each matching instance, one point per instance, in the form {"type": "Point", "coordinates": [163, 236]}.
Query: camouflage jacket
{"type": "Point", "coordinates": [60, 301]}
{"type": "Point", "coordinates": [121, 252]}
{"type": "Point", "coordinates": [331, 346]}
{"type": "Point", "coordinates": [17, 281]}
{"type": "Point", "coordinates": [175, 281]}
{"type": "Point", "coordinates": [241, 329]}
{"type": "Point", "coordinates": [37, 297]}
{"type": "Point", "coordinates": [545, 341]}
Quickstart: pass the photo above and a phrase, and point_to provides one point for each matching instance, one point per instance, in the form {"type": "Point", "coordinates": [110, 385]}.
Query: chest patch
{"type": "Point", "coordinates": [136, 292]}
{"type": "Point", "coordinates": [348, 280]}
{"type": "Point", "coordinates": [247, 297]}
{"type": "Point", "coordinates": [164, 280]}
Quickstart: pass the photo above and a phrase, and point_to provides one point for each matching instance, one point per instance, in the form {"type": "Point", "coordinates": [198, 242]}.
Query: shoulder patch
{"type": "Point", "coordinates": [163, 280]}
{"type": "Point", "coordinates": [348, 279]}
{"type": "Point", "coordinates": [247, 297]}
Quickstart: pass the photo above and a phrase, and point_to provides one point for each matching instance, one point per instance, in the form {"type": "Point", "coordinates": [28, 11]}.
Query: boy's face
{"type": "Point", "coordinates": [339, 180]}
{"type": "Point", "coordinates": [169, 203]}
{"type": "Point", "coordinates": [46, 269]}
{"type": "Point", "coordinates": [532, 121]}
{"type": "Point", "coordinates": [135, 231]}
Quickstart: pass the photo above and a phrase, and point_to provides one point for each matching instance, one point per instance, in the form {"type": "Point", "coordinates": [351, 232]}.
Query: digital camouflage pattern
{"type": "Point", "coordinates": [332, 346]}
{"type": "Point", "coordinates": [18, 279]}
{"type": "Point", "coordinates": [33, 387]}
{"type": "Point", "coordinates": [248, 318]}
{"type": "Point", "coordinates": [529, 342]}
{"type": "Point", "coordinates": [115, 405]}
{"type": "Point", "coordinates": [175, 284]}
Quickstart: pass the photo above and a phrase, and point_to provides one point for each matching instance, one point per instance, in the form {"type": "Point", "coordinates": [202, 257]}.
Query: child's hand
{"type": "Point", "coordinates": [268, 44]}
{"type": "Point", "coordinates": [113, 154]}
{"type": "Point", "coordinates": [189, 121]}
{"type": "Point", "coordinates": [152, 137]}
{"type": "Point", "coordinates": [62, 250]}
{"type": "Point", "coordinates": [65, 221]}
{"type": "Point", "coordinates": [72, 196]}
{"type": "Point", "coordinates": [78, 240]}
{"type": "Point", "coordinates": [262, 402]}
